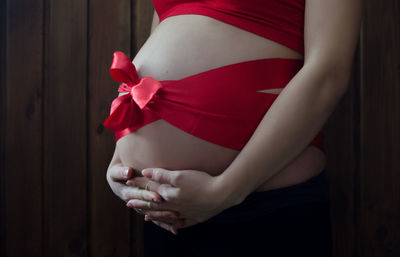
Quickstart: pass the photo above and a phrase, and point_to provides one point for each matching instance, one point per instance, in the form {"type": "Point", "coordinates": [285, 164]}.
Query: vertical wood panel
{"type": "Point", "coordinates": [65, 129]}
{"type": "Point", "coordinates": [380, 125]}
{"type": "Point", "coordinates": [143, 16]}
{"type": "Point", "coordinates": [109, 31]}
{"type": "Point", "coordinates": [3, 15]}
{"type": "Point", "coordinates": [23, 125]}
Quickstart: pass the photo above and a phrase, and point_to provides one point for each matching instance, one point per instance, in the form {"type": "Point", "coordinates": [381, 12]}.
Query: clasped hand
{"type": "Point", "coordinates": [172, 199]}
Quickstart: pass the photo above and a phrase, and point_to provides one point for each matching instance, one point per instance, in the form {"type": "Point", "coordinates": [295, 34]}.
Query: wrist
{"type": "Point", "coordinates": [229, 193]}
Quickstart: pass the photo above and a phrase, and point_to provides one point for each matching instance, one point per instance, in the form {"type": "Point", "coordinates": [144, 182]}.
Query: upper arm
{"type": "Point", "coordinates": [155, 22]}
{"type": "Point", "coordinates": [331, 33]}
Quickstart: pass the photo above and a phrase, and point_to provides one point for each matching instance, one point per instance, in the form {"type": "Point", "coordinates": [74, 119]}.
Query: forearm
{"type": "Point", "coordinates": [293, 120]}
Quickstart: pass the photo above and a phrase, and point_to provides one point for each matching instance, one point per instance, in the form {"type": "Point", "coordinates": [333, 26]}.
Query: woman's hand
{"type": "Point", "coordinates": [196, 195]}
{"type": "Point", "coordinates": [118, 176]}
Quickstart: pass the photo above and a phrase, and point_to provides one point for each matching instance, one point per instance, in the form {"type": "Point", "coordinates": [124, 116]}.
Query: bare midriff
{"type": "Point", "coordinates": [185, 45]}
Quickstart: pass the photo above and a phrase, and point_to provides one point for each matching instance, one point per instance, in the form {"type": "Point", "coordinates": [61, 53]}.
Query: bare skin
{"type": "Point", "coordinates": [179, 47]}
{"type": "Point", "coordinates": [185, 45]}
{"type": "Point", "coordinates": [198, 179]}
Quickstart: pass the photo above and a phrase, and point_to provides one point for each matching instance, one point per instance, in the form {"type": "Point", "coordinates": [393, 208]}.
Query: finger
{"type": "Point", "coordinates": [162, 192]}
{"type": "Point", "coordinates": [131, 193]}
{"type": "Point", "coordinates": [151, 206]}
{"type": "Point", "coordinates": [164, 216]}
{"type": "Point", "coordinates": [120, 189]}
{"type": "Point", "coordinates": [140, 211]}
{"type": "Point", "coordinates": [183, 223]}
{"type": "Point", "coordinates": [165, 226]}
{"type": "Point", "coordinates": [162, 176]}
{"type": "Point", "coordinates": [120, 173]}
{"type": "Point", "coordinates": [148, 218]}
{"type": "Point", "coordinates": [146, 185]}
{"type": "Point", "coordinates": [143, 183]}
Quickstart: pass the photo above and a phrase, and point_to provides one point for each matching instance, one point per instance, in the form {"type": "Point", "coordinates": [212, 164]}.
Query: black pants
{"type": "Point", "coordinates": [290, 221]}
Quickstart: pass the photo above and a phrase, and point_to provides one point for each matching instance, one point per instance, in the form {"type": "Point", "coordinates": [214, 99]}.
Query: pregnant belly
{"type": "Point", "coordinates": [159, 144]}
{"type": "Point", "coordinates": [174, 51]}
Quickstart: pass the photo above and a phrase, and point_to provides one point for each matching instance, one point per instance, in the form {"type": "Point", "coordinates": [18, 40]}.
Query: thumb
{"type": "Point", "coordinates": [120, 173]}
{"type": "Point", "coordinates": [160, 175]}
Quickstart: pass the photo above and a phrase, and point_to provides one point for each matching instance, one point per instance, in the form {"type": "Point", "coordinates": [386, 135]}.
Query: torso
{"type": "Point", "coordinates": [185, 45]}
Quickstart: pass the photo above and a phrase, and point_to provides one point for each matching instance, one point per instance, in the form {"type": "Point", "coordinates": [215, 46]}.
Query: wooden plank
{"type": "Point", "coordinates": [3, 29]}
{"type": "Point", "coordinates": [342, 132]}
{"type": "Point", "coordinates": [65, 139]}
{"type": "Point", "coordinates": [380, 125]}
{"type": "Point", "coordinates": [142, 17]}
{"type": "Point", "coordinates": [110, 30]}
{"type": "Point", "coordinates": [23, 128]}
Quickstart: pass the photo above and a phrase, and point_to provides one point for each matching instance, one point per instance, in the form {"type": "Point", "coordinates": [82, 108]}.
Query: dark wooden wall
{"type": "Point", "coordinates": [364, 142]}
{"type": "Point", "coordinates": [55, 93]}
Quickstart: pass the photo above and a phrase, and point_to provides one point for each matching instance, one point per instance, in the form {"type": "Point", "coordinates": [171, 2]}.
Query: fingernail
{"type": "Point", "coordinates": [147, 172]}
{"type": "Point", "coordinates": [126, 172]}
{"type": "Point", "coordinates": [156, 199]}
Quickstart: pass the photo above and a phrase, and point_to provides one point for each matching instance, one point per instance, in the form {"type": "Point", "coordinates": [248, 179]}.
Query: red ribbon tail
{"type": "Point", "coordinates": [121, 115]}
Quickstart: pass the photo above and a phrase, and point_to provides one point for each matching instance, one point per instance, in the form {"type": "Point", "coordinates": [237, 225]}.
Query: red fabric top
{"type": "Point", "coordinates": [221, 105]}
{"type": "Point", "coordinates": [281, 21]}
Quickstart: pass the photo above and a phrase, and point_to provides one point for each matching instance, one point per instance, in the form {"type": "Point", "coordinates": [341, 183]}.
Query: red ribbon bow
{"type": "Point", "coordinates": [124, 111]}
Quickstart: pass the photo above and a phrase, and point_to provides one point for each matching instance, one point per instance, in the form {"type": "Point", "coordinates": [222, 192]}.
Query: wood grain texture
{"type": "Point", "coordinates": [379, 214]}
{"type": "Point", "coordinates": [142, 11]}
{"type": "Point", "coordinates": [23, 129]}
{"type": "Point", "coordinates": [3, 111]}
{"type": "Point", "coordinates": [109, 31]}
{"type": "Point", "coordinates": [65, 135]}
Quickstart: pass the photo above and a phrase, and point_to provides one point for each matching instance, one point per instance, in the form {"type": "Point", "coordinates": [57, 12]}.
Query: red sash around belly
{"type": "Point", "coordinates": [219, 105]}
